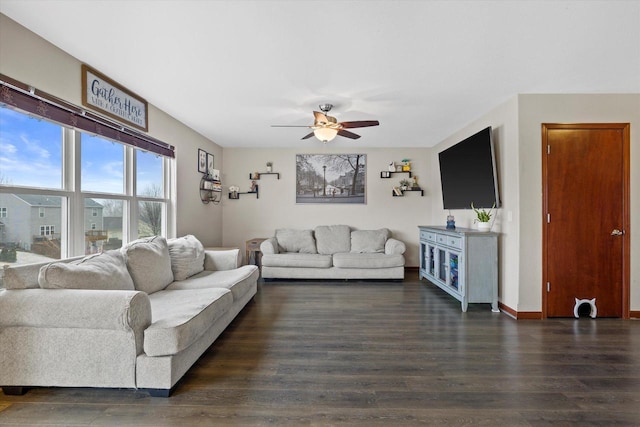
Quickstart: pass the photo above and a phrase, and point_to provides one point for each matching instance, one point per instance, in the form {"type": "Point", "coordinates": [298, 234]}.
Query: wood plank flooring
{"type": "Point", "coordinates": [376, 354]}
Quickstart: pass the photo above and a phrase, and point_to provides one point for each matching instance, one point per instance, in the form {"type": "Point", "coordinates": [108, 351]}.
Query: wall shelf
{"type": "Point", "coordinates": [238, 194]}
{"type": "Point", "coordinates": [251, 176]}
{"type": "Point", "coordinates": [210, 190]}
{"type": "Point", "coordinates": [407, 191]}
{"type": "Point", "coordinates": [387, 174]}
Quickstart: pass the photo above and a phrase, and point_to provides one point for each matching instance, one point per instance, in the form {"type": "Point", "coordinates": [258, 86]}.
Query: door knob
{"type": "Point", "coordinates": [617, 232]}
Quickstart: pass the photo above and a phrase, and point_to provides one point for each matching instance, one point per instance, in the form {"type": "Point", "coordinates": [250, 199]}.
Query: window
{"type": "Point", "coordinates": [102, 165]}
{"type": "Point", "coordinates": [47, 230]}
{"type": "Point", "coordinates": [29, 145]}
{"type": "Point", "coordinates": [113, 204]}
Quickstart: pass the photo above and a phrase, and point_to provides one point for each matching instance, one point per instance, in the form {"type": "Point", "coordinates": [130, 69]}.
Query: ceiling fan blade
{"type": "Point", "coordinates": [360, 124]}
{"type": "Point", "coordinates": [348, 134]}
{"type": "Point", "coordinates": [308, 136]}
{"type": "Point", "coordinates": [320, 117]}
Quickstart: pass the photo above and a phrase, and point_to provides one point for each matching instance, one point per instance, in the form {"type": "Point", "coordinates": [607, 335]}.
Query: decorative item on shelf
{"type": "Point", "coordinates": [415, 185]}
{"type": "Point", "coordinates": [254, 187]}
{"type": "Point", "coordinates": [404, 184]}
{"type": "Point", "coordinates": [451, 222]}
{"type": "Point", "coordinates": [385, 174]}
{"type": "Point", "coordinates": [214, 174]}
{"type": "Point", "coordinates": [269, 167]}
{"type": "Point", "coordinates": [406, 165]}
{"type": "Point", "coordinates": [397, 192]}
{"type": "Point", "coordinates": [233, 192]}
{"type": "Point", "coordinates": [210, 189]}
{"type": "Point", "coordinates": [255, 175]}
{"type": "Point", "coordinates": [483, 218]}
{"type": "Point", "coordinates": [392, 167]}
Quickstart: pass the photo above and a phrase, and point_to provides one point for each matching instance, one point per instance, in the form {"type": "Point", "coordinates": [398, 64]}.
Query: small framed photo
{"type": "Point", "coordinates": [214, 174]}
{"type": "Point", "coordinates": [202, 161]}
{"type": "Point", "coordinates": [209, 162]}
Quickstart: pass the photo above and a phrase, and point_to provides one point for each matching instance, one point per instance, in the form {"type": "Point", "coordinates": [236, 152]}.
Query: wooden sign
{"type": "Point", "coordinates": [103, 94]}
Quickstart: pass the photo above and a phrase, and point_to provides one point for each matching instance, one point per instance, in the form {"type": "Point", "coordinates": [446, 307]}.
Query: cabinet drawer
{"type": "Point", "coordinates": [453, 241]}
{"type": "Point", "coordinates": [428, 235]}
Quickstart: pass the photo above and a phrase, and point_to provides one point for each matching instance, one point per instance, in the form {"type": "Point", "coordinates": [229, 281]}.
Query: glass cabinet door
{"type": "Point", "coordinates": [442, 265]}
{"type": "Point", "coordinates": [453, 270]}
{"type": "Point", "coordinates": [431, 260]}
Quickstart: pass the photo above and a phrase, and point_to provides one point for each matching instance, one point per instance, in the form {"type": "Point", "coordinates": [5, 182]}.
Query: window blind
{"type": "Point", "coordinates": [41, 104]}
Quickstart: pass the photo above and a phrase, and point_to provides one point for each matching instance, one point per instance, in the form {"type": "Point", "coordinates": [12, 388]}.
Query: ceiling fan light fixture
{"type": "Point", "coordinates": [325, 134]}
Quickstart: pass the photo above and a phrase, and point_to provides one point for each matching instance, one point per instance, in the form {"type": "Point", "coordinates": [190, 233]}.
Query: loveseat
{"type": "Point", "coordinates": [136, 317]}
{"type": "Point", "coordinates": [332, 252]}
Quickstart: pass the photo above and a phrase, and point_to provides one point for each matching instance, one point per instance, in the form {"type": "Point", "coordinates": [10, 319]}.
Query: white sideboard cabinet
{"type": "Point", "coordinates": [461, 261]}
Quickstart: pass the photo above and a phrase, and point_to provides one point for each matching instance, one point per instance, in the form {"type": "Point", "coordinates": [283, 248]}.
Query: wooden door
{"type": "Point", "coordinates": [585, 218]}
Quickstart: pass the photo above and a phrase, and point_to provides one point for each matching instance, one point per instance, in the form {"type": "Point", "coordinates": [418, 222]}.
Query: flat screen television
{"type": "Point", "coordinates": [468, 173]}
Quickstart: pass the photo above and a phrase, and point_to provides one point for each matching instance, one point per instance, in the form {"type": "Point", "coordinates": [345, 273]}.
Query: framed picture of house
{"type": "Point", "coordinates": [331, 178]}
{"type": "Point", "coordinates": [202, 161]}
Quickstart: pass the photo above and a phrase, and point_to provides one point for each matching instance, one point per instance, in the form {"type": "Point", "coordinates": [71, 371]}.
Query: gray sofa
{"type": "Point", "coordinates": [137, 317]}
{"type": "Point", "coordinates": [332, 252]}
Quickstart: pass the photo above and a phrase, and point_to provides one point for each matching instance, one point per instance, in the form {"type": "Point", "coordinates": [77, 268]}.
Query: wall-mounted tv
{"type": "Point", "coordinates": [468, 173]}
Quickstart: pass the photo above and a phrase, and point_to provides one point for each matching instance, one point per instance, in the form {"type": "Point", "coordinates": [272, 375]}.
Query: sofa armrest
{"type": "Point", "coordinates": [269, 246]}
{"type": "Point", "coordinates": [75, 308]}
{"type": "Point", "coordinates": [219, 259]}
{"type": "Point", "coordinates": [394, 246]}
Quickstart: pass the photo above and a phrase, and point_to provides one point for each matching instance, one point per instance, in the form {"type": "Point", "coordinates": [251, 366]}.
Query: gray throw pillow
{"type": "Point", "coordinates": [290, 240]}
{"type": "Point", "coordinates": [333, 239]}
{"type": "Point", "coordinates": [187, 256]}
{"type": "Point", "coordinates": [149, 263]}
{"type": "Point", "coordinates": [104, 271]}
{"type": "Point", "coordinates": [369, 241]}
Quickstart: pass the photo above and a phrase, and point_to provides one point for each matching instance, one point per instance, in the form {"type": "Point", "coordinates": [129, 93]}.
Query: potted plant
{"type": "Point", "coordinates": [483, 217]}
{"type": "Point", "coordinates": [269, 166]}
{"type": "Point", "coordinates": [404, 184]}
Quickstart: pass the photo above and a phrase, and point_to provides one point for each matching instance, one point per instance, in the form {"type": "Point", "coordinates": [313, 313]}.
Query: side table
{"type": "Point", "coordinates": [253, 250]}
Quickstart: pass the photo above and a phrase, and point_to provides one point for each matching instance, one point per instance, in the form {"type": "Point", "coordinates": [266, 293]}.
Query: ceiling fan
{"type": "Point", "coordinates": [325, 127]}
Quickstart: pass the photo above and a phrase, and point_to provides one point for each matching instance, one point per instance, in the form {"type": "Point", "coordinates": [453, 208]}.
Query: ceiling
{"type": "Point", "coordinates": [424, 69]}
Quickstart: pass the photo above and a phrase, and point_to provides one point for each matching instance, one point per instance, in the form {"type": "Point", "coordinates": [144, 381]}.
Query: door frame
{"type": "Point", "coordinates": [626, 215]}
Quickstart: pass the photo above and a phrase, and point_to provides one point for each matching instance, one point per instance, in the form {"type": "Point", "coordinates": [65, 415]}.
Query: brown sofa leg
{"type": "Point", "coordinates": [14, 391]}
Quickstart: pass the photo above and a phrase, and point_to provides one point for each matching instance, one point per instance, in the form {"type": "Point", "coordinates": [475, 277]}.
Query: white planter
{"type": "Point", "coordinates": [484, 226]}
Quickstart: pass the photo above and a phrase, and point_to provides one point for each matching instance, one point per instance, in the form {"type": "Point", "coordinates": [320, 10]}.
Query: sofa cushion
{"type": "Point", "coordinates": [331, 239]}
{"type": "Point", "coordinates": [25, 276]}
{"type": "Point", "coordinates": [296, 260]}
{"type": "Point", "coordinates": [367, 260]}
{"type": "Point", "coordinates": [290, 240]}
{"type": "Point", "coordinates": [179, 318]}
{"type": "Point", "coordinates": [149, 263]}
{"type": "Point", "coordinates": [106, 271]}
{"type": "Point", "coordinates": [369, 241]}
{"type": "Point", "coordinates": [187, 256]}
{"type": "Point", "coordinates": [239, 281]}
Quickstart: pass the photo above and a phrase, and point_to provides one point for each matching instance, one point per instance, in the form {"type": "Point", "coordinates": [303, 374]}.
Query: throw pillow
{"type": "Point", "coordinates": [290, 240]}
{"type": "Point", "coordinates": [149, 263]}
{"type": "Point", "coordinates": [187, 256]}
{"type": "Point", "coordinates": [105, 271]}
{"type": "Point", "coordinates": [333, 239]}
{"type": "Point", "coordinates": [369, 241]}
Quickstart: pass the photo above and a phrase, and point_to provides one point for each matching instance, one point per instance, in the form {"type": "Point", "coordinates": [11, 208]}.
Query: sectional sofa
{"type": "Point", "coordinates": [137, 317]}
{"type": "Point", "coordinates": [332, 252]}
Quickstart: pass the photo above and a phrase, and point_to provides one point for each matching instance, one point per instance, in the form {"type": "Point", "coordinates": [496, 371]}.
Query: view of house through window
{"type": "Point", "coordinates": [40, 218]}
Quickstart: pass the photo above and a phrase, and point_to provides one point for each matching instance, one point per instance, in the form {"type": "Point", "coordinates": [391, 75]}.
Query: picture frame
{"type": "Point", "coordinates": [331, 178]}
{"type": "Point", "coordinates": [214, 174]}
{"type": "Point", "coordinates": [202, 161]}
{"type": "Point", "coordinates": [209, 163]}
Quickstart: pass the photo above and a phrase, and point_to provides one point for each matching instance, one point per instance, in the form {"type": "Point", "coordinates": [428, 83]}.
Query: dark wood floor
{"type": "Point", "coordinates": [377, 353]}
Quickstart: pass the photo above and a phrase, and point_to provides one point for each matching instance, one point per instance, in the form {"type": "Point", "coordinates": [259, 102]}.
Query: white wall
{"type": "Point", "coordinates": [518, 137]}
{"type": "Point", "coordinates": [249, 217]}
{"type": "Point", "coordinates": [535, 110]}
{"type": "Point", "coordinates": [30, 59]}
{"type": "Point", "coordinates": [504, 121]}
